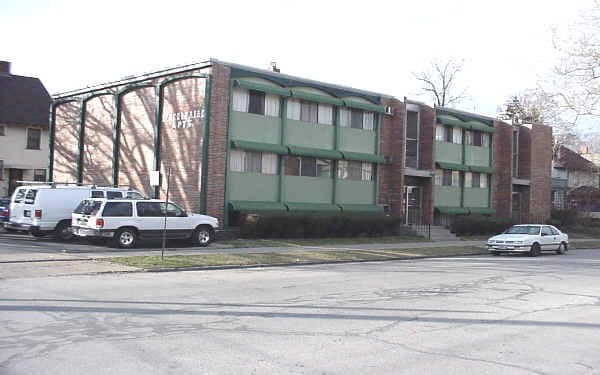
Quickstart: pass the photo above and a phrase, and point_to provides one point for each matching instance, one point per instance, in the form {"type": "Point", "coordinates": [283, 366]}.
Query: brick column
{"type": "Point", "coordinates": [426, 158]}
{"type": "Point", "coordinates": [540, 172]}
{"type": "Point", "coordinates": [392, 143]}
{"type": "Point", "coordinates": [217, 142]}
{"type": "Point", "coordinates": [502, 178]}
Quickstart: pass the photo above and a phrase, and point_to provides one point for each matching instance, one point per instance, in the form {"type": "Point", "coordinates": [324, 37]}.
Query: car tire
{"type": "Point", "coordinates": [495, 253]}
{"type": "Point", "coordinates": [203, 235]}
{"type": "Point", "coordinates": [535, 250]}
{"type": "Point", "coordinates": [125, 238]}
{"type": "Point", "coordinates": [562, 248]}
{"type": "Point", "coordinates": [10, 230]}
{"type": "Point", "coordinates": [63, 232]}
{"type": "Point", "coordinates": [38, 234]}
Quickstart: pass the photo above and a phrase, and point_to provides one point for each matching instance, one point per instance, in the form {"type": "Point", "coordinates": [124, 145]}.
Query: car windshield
{"type": "Point", "coordinates": [524, 229]}
{"type": "Point", "coordinates": [88, 207]}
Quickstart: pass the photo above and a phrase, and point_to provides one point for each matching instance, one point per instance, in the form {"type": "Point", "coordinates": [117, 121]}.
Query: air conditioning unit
{"type": "Point", "coordinates": [388, 110]}
{"type": "Point", "coordinates": [387, 159]}
{"type": "Point", "coordinates": [387, 209]}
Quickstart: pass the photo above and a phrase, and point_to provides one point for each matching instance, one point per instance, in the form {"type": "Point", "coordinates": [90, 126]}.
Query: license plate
{"type": "Point", "coordinates": [26, 213]}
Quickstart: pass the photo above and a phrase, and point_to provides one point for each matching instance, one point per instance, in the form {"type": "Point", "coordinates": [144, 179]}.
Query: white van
{"type": "Point", "coordinates": [46, 208]}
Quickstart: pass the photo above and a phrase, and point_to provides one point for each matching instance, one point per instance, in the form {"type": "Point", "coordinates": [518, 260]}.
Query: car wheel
{"type": "Point", "coordinates": [562, 248]}
{"type": "Point", "coordinates": [535, 250]}
{"type": "Point", "coordinates": [125, 238]}
{"type": "Point", "coordinates": [203, 235]}
{"type": "Point", "coordinates": [63, 231]}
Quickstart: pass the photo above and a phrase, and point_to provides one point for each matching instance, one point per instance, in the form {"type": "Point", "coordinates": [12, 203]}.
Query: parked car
{"type": "Point", "coordinates": [125, 221]}
{"type": "Point", "coordinates": [46, 208]}
{"type": "Point", "coordinates": [4, 203]}
{"type": "Point", "coordinates": [529, 238]}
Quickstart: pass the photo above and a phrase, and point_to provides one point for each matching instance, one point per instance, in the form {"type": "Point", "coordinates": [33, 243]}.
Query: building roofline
{"type": "Point", "coordinates": [296, 78]}
{"type": "Point", "coordinates": [465, 113]}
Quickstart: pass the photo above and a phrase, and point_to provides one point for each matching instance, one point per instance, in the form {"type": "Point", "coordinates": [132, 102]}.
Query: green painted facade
{"type": "Point", "coordinates": [308, 189]}
{"type": "Point", "coordinates": [357, 140]}
{"type": "Point", "coordinates": [476, 155]}
{"type": "Point", "coordinates": [253, 187]}
{"type": "Point", "coordinates": [355, 192]}
{"type": "Point", "coordinates": [255, 128]}
{"type": "Point", "coordinates": [476, 197]}
{"type": "Point", "coordinates": [307, 134]}
{"type": "Point", "coordinates": [448, 152]}
{"type": "Point", "coordinates": [447, 196]}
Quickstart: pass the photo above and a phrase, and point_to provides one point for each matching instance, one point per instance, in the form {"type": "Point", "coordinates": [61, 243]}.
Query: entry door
{"type": "Point", "coordinates": [412, 207]}
{"type": "Point", "coordinates": [14, 175]}
{"type": "Point", "coordinates": [516, 207]}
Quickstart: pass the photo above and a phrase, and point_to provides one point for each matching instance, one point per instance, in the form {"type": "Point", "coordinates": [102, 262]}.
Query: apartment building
{"type": "Point", "coordinates": [24, 104]}
{"type": "Point", "coordinates": [239, 139]}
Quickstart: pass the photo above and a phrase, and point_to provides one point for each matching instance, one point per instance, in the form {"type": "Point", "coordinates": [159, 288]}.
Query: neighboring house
{"type": "Point", "coordinates": [24, 105]}
{"type": "Point", "coordinates": [243, 140]}
{"type": "Point", "coordinates": [573, 179]}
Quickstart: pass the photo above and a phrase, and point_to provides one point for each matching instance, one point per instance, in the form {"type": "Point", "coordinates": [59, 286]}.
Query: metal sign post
{"type": "Point", "coordinates": [164, 235]}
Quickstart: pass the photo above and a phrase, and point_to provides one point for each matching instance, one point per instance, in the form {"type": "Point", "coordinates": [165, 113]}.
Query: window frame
{"type": "Point", "coordinates": [27, 139]}
{"type": "Point", "coordinates": [416, 140]}
{"type": "Point", "coordinates": [116, 203]}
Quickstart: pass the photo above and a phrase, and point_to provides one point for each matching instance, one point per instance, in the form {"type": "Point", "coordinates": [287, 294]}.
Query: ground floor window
{"type": "Point", "coordinates": [39, 175]}
{"type": "Point", "coordinates": [253, 162]}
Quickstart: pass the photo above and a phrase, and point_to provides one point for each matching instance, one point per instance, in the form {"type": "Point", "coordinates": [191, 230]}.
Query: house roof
{"type": "Point", "coordinates": [23, 100]}
{"type": "Point", "coordinates": [569, 159]}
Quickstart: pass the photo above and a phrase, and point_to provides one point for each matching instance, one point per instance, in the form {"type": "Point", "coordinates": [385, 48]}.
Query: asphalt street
{"type": "Point", "coordinates": [465, 315]}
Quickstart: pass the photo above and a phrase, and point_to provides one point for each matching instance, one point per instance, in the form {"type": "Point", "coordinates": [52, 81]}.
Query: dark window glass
{"type": "Point", "coordinates": [134, 195]}
{"type": "Point", "coordinates": [257, 102]}
{"type": "Point", "coordinates": [554, 231]}
{"type": "Point", "coordinates": [20, 195]}
{"type": "Point", "coordinates": [356, 119]}
{"type": "Point", "coordinates": [412, 148]}
{"type": "Point", "coordinates": [475, 180]}
{"type": "Point", "coordinates": [97, 194]}
{"type": "Point", "coordinates": [292, 165]}
{"type": "Point", "coordinates": [324, 168]}
{"type": "Point", "coordinates": [308, 167]}
{"type": "Point", "coordinates": [172, 210]}
{"type": "Point", "coordinates": [33, 138]}
{"type": "Point", "coordinates": [30, 196]}
{"type": "Point", "coordinates": [449, 134]}
{"type": "Point", "coordinates": [148, 209]}
{"type": "Point", "coordinates": [39, 175]}
{"type": "Point", "coordinates": [476, 138]}
{"type": "Point", "coordinates": [88, 207]}
{"type": "Point", "coordinates": [117, 209]}
{"type": "Point", "coordinates": [412, 125]}
{"type": "Point", "coordinates": [447, 178]}
{"type": "Point", "coordinates": [546, 231]}
{"type": "Point", "coordinates": [308, 111]}
{"type": "Point", "coordinates": [114, 195]}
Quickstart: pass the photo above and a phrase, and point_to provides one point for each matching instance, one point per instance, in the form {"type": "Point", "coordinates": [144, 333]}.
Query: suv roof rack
{"type": "Point", "coordinates": [67, 183]}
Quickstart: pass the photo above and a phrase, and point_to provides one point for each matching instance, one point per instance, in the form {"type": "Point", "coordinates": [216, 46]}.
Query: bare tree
{"type": "Point", "coordinates": [439, 80]}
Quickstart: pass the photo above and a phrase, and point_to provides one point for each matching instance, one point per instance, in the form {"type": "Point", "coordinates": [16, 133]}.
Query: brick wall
{"type": "Point", "coordinates": [66, 139]}
{"type": "Point", "coordinates": [426, 156]}
{"type": "Point", "coordinates": [97, 140]}
{"type": "Point", "coordinates": [502, 179]}
{"type": "Point", "coordinates": [181, 142]}
{"type": "Point", "coordinates": [217, 146]}
{"type": "Point", "coordinates": [392, 144]}
{"type": "Point", "coordinates": [136, 145]}
{"type": "Point", "coordinates": [540, 172]}
{"type": "Point", "coordinates": [524, 167]}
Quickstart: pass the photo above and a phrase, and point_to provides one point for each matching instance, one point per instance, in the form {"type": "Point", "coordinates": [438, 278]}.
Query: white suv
{"type": "Point", "coordinates": [127, 220]}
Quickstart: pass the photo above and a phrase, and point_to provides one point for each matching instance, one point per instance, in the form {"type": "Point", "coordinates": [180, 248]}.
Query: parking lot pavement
{"type": "Point", "coordinates": [469, 315]}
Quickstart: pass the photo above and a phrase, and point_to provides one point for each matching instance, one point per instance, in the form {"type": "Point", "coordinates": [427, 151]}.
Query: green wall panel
{"type": "Point", "coordinates": [446, 196]}
{"type": "Point", "coordinates": [250, 127]}
{"type": "Point", "coordinates": [253, 187]}
{"type": "Point", "coordinates": [307, 134]}
{"type": "Point", "coordinates": [476, 197]}
{"type": "Point", "coordinates": [357, 140]}
{"type": "Point", "coordinates": [355, 192]}
{"type": "Point", "coordinates": [476, 155]}
{"type": "Point", "coordinates": [308, 189]}
{"type": "Point", "coordinates": [449, 152]}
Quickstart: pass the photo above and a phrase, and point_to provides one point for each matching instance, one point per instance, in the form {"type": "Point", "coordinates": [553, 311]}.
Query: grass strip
{"type": "Point", "coordinates": [246, 243]}
{"type": "Point", "coordinates": [294, 257]}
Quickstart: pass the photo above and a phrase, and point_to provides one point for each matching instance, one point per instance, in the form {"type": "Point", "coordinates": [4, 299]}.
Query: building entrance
{"type": "Point", "coordinates": [412, 197]}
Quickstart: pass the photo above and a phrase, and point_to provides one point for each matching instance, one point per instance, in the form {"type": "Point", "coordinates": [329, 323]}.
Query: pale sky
{"type": "Point", "coordinates": [372, 45]}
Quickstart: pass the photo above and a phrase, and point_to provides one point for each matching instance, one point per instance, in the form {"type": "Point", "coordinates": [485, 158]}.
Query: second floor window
{"type": "Point", "coordinates": [308, 166]}
{"type": "Point", "coordinates": [476, 180]}
{"type": "Point", "coordinates": [357, 118]}
{"type": "Point", "coordinates": [355, 170]}
{"type": "Point", "coordinates": [306, 111]}
{"type": "Point", "coordinates": [257, 102]}
{"type": "Point", "coordinates": [253, 162]}
{"type": "Point", "coordinates": [412, 139]}
{"type": "Point", "coordinates": [446, 177]}
{"type": "Point", "coordinates": [477, 138]}
{"type": "Point", "coordinates": [448, 134]}
{"type": "Point", "coordinates": [34, 137]}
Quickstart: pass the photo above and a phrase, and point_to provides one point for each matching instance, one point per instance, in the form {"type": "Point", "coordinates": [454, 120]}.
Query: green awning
{"type": "Point", "coordinates": [312, 207]}
{"type": "Point", "coordinates": [480, 126]}
{"type": "Point", "coordinates": [453, 210]}
{"type": "Point", "coordinates": [451, 121]}
{"type": "Point", "coordinates": [258, 146]}
{"type": "Point", "coordinates": [315, 152]}
{"type": "Point", "coordinates": [452, 166]}
{"type": "Point", "coordinates": [250, 206]}
{"type": "Point", "coordinates": [476, 168]}
{"type": "Point", "coordinates": [482, 211]}
{"type": "Point", "coordinates": [262, 87]}
{"type": "Point", "coordinates": [359, 156]}
{"type": "Point", "coordinates": [364, 106]}
{"type": "Point", "coordinates": [361, 208]}
{"type": "Point", "coordinates": [316, 97]}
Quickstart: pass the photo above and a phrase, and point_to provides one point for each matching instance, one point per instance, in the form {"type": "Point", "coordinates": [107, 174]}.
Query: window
{"type": "Point", "coordinates": [355, 170]}
{"type": "Point", "coordinates": [39, 175]}
{"type": "Point", "coordinates": [134, 195]}
{"type": "Point", "coordinates": [97, 194]}
{"type": "Point", "coordinates": [357, 118]}
{"type": "Point", "coordinates": [440, 133]}
{"type": "Point", "coordinates": [172, 210]}
{"type": "Point", "coordinates": [554, 231]}
{"type": "Point", "coordinates": [88, 207]}
{"type": "Point", "coordinates": [308, 166]}
{"type": "Point", "coordinates": [33, 138]}
{"type": "Point", "coordinates": [446, 177]}
{"type": "Point", "coordinates": [256, 102]}
{"type": "Point", "coordinates": [438, 177]}
{"type": "Point", "coordinates": [483, 180]}
{"type": "Point", "coordinates": [449, 133]}
{"type": "Point", "coordinates": [546, 231]}
{"type": "Point", "coordinates": [306, 111]}
{"type": "Point", "coordinates": [2, 130]}
{"type": "Point", "coordinates": [485, 140]}
{"type": "Point", "coordinates": [253, 162]}
{"type": "Point", "coordinates": [114, 195]}
{"type": "Point", "coordinates": [468, 179]}
{"type": "Point", "coordinates": [515, 151]}
{"type": "Point", "coordinates": [149, 209]}
{"type": "Point", "coordinates": [476, 177]}
{"type": "Point", "coordinates": [30, 196]}
{"type": "Point", "coordinates": [117, 209]}
{"type": "Point", "coordinates": [412, 139]}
